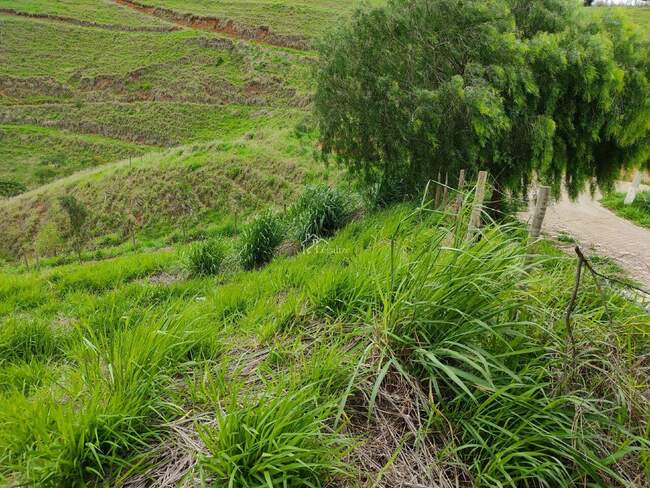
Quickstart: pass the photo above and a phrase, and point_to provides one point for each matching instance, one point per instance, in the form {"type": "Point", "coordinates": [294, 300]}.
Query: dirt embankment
{"type": "Point", "coordinates": [86, 23]}
{"type": "Point", "coordinates": [262, 34]}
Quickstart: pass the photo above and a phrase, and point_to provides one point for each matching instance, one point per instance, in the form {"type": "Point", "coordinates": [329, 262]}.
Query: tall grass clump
{"type": "Point", "coordinates": [206, 258]}
{"type": "Point", "coordinates": [319, 212]}
{"type": "Point", "coordinates": [281, 439]}
{"type": "Point", "coordinates": [106, 412]}
{"type": "Point", "coordinates": [260, 239]}
{"type": "Point", "coordinates": [462, 325]}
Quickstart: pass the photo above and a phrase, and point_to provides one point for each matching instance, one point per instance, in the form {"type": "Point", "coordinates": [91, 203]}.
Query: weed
{"type": "Point", "coordinates": [320, 212]}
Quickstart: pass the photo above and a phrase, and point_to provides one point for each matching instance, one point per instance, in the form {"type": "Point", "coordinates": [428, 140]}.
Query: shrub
{"type": "Point", "coordinates": [205, 258]}
{"type": "Point", "coordinates": [10, 188]}
{"type": "Point", "coordinates": [320, 212]}
{"type": "Point", "coordinates": [74, 228]}
{"type": "Point", "coordinates": [260, 239]}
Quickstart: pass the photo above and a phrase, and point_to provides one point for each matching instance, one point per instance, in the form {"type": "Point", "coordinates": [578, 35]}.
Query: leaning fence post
{"type": "Point", "coordinates": [631, 192]}
{"type": "Point", "coordinates": [475, 218]}
{"type": "Point", "coordinates": [541, 204]}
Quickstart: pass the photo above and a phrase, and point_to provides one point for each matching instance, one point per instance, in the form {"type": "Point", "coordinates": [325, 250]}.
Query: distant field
{"type": "Point", "coordinates": [298, 17]}
{"type": "Point", "coordinates": [127, 91]}
{"type": "Point", "coordinates": [639, 15]}
{"type": "Point", "coordinates": [98, 11]}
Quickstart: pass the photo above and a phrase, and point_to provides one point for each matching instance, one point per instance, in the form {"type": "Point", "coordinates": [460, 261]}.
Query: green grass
{"type": "Point", "coordinates": [638, 15]}
{"type": "Point", "coordinates": [301, 17]}
{"type": "Point", "coordinates": [638, 212]}
{"type": "Point", "coordinates": [165, 66]}
{"type": "Point", "coordinates": [290, 372]}
{"type": "Point", "coordinates": [36, 155]}
{"type": "Point", "coordinates": [177, 188]}
{"type": "Point", "coordinates": [75, 96]}
{"type": "Point", "coordinates": [98, 11]}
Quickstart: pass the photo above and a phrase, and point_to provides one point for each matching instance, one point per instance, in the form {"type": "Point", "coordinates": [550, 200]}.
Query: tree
{"type": "Point", "coordinates": [74, 228]}
{"type": "Point", "coordinates": [522, 89]}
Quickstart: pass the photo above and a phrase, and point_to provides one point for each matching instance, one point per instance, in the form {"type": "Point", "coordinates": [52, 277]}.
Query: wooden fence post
{"type": "Point", "coordinates": [475, 218]}
{"type": "Point", "coordinates": [541, 204]}
{"type": "Point", "coordinates": [459, 196]}
{"type": "Point", "coordinates": [444, 191]}
{"type": "Point", "coordinates": [631, 193]}
{"type": "Point", "coordinates": [438, 190]}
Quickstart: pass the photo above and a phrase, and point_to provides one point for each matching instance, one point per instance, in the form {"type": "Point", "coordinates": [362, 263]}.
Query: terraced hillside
{"type": "Point", "coordinates": [84, 84]}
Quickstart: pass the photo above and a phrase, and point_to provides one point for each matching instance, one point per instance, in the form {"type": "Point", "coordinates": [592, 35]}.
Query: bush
{"type": "Point", "coordinates": [320, 212]}
{"type": "Point", "coordinates": [205, 258]}
{"type": "Point", "coordinates": [10, 188]}
{"type": "Point", "coordinates": [260, 239]}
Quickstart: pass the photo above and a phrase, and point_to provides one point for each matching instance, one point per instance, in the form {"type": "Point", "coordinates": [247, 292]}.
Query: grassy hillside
{"type": "Point", "coordinates": [162, 89]}
{"type": "Point", "coordinates": [310, 18]}
{"type": "Point", "coordinates": [351, 364]}
{"type": "Point", "coordinates": [34, 155]}
{"type": "Point", "coordinates": [233, 175]}
{"type": "Point", "coordinates": [95, 11]}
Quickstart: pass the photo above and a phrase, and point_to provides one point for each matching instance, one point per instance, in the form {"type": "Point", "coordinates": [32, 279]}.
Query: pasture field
{"type": "Point", "coordinates": [302, 17]}
{"type": "Point", "coordinates": [35, 155]}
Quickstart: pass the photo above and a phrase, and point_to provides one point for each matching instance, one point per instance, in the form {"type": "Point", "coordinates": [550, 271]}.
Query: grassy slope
{"type": "Point", "coordinates": [163, 89]}
{"type": "Point", "coordinates": [75, 336]}
{"type": "Point", "coordinates": [233, 175]}
{"type": "Point", "coordinates": [98, 11]}
{"type": "Point", "coordinates": [638, 212]}
{"type": "Point", "coordinates": [310, 18]}
{"type": "Point", "coordinates": [36, 155]}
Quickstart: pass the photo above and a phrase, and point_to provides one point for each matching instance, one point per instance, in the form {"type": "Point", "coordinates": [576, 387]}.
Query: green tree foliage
{"type": "Point", "coordinates": [516, 87]}
{"type": "Point", "coordinates": [73, 228]}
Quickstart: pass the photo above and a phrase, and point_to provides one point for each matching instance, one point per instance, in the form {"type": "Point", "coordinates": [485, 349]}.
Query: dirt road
{"type": "Point", "coordinates": [598, 229]}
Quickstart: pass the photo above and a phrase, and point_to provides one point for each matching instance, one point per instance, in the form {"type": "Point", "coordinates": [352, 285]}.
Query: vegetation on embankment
{"type": "Point", "coordinates": [99, 12]}
{"type": "Point", "coordinates": [35, 155]}
{"type": "Point", "coordinates": [637, 212]}
{"type": "Point", "coordinates": [169, 190]}
{"type": "Point", "coordinates": [393, 351]}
